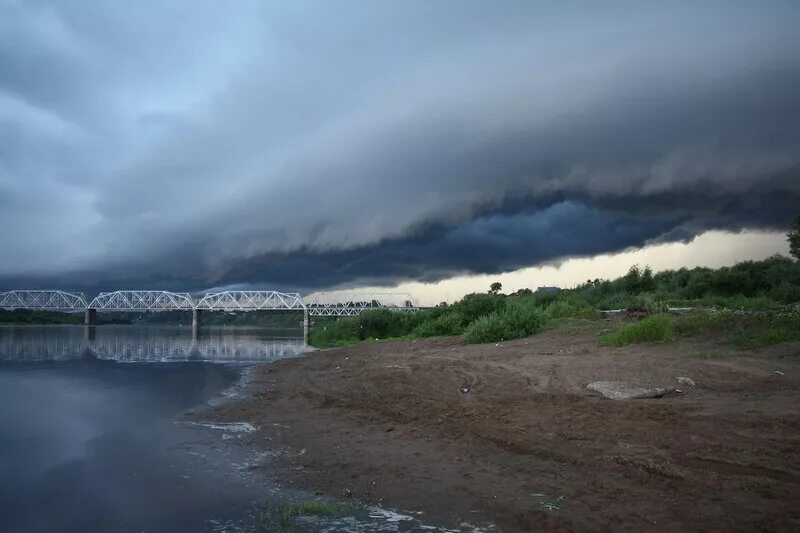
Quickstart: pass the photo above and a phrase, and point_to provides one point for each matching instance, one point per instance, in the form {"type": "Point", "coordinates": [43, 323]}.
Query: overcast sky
{"type": "Point", "coordinates": [310, 145]}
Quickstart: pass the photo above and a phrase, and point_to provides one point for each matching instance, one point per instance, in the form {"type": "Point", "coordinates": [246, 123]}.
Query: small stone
{"type": "Point", "coordinates": [689, 382]}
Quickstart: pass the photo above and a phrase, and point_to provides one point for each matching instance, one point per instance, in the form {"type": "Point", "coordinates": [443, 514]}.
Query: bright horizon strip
{"type": "Point", "coordinates": [712, 249]}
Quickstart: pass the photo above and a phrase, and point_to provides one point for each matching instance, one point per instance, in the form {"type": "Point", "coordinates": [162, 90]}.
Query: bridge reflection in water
{"type": "Point", "coordinates": [147, 344]}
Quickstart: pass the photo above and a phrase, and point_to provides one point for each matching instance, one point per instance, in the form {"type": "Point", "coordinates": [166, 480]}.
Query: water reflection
{"type": "Point", "coordinates": [147, 344]}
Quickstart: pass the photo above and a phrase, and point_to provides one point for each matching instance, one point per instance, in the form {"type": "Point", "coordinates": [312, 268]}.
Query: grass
{"type": "Point", "coordinates": [711, 356]}
{"type": "Point", "coordinates": [280, 518]}
{"type": "Point", "coordinates": [752, 303]}
{"type": "Point", "coordinates": [750, 339]}
{"type": "Point", "coordinates": [746, 329]}
{"type": "Point", "coordinates": [651, 329]}
{"type": "Point", "coordinates": [570, 309]}
{"type": "Point", "coordinates": [572, 326]}
{"type": "Point", "coordinates": [698, 323]}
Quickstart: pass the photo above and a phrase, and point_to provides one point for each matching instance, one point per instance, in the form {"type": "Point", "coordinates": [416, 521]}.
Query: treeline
{"type": "Point", "coordinates": [775, 280]}
{"type": "Point", "coordinates": [271, 319]}
{"type": "Point", "coordinates": [493, 316]}
{"type": "Point", "coordinates": [29, 316]}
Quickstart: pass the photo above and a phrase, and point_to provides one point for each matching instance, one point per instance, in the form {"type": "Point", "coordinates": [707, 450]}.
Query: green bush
{"type": "Point", "coordinates": [446, 324]}
{"type": "Point", "coordinates": [488, 328]}
{"type": "Point", "coordinates": [570, 309]}
{"type": "Point", "coordinates": [757, 287]}
{"type": "Point", "coordinates": [518, 319]}
{"type": "Point", "coordinates": [476, 305]}
{"type": "Point", "coordinates": [545, 298]}
{"type": "Point", "coordinates": [522, 318]}
{"type": "Point", "coordinates": [654, 328]}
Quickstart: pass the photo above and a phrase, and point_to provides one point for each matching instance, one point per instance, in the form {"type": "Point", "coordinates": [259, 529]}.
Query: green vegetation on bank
{"type": "Point", "coordinates": [280, 518]}
{"type": "Point", "coordinates": [764, 288]}
{"type": "Point", "coordinates": [744, 329]}
{"type": "Point", "coordinates": [650, 329]}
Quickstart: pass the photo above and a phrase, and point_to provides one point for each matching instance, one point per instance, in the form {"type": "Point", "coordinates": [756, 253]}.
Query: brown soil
{"type": "Point", "coordinates": [386, 423]}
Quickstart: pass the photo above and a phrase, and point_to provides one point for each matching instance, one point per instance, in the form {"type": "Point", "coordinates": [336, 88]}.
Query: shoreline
{"type": "Point", "coordinates": [528, 447]}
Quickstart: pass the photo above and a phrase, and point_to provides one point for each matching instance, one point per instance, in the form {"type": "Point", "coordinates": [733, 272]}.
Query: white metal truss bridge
{"type": "Point", "coordinates": [142, 301]}
{"type": "Point", "coordinates": [317, 304]}
{"type": "Point", "coordinates": [355, 303]}
{"type": "Point", "coordinates": [43, 300]}
{"type": "Point", "coordinates": [251, 301]}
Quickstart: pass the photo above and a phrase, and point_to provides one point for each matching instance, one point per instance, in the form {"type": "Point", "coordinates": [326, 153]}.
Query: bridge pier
{"type": "Point", "coordinates": [305, 326]}
{"type": "Point", "coordinates": [90, 318]}
{"type": "Point", "coordinates": [196, 322]}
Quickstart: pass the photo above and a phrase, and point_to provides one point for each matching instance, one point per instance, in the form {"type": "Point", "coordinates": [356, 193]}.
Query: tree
{"type": "Point", "coordinates": [631, 279]}
{"type": "Point", "coordinates": [495, 287]}
{"type": "Point", "coordinates": [794, 238]}
{"type": "Point", "coordinates": [646, 282]}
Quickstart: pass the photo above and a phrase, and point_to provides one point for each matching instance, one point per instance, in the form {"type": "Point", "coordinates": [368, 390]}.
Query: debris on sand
{"type": "Point", "coordinates": [554, 504]}
{"type": "Point", "coordinates": [624, 390]}
{"type": "Point", "coordinates": [689, 382]}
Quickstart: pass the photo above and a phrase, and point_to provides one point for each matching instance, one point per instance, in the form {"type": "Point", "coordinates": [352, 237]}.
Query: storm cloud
{"type": "Point", "coordinates": [192, 144]}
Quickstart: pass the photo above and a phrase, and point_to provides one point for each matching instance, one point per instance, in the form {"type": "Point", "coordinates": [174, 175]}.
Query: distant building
{"type": "Point", "coordinates": [547, 289]}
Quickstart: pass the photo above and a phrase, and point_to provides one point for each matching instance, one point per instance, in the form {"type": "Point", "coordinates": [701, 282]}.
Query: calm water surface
{"type": "Point", "coordinates": [92, 435]}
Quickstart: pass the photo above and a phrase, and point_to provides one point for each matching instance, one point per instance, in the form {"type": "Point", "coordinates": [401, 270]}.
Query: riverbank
{"type": "Point", "coordinates": [508, 434]}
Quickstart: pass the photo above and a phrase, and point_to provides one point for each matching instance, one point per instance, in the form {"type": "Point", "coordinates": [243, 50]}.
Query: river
{"type": "Point", "coordinates": [95, 438]}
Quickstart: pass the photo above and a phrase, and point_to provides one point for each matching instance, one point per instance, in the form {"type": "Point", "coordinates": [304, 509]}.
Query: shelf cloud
{"type": "Point", "coordinates": [309, 146]}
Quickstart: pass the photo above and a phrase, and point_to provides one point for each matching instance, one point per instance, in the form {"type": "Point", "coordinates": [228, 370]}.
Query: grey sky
{"type": "Point", "coordinates": [308, 145]}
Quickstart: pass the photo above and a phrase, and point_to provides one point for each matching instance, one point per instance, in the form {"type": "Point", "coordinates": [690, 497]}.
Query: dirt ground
{"type": "Point", "coordinates": [387, 423]}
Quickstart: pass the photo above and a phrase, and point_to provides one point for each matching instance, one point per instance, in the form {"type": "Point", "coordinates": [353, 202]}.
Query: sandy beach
{"type": "Point", "coordinates": [508, 435]}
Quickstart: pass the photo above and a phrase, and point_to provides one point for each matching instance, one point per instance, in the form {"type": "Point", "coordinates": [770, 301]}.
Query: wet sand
{"type": "Point", "coordinates": [388, 423]}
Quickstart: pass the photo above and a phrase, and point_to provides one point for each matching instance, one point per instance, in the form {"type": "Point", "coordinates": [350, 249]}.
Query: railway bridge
{"type": "Point", "coordinates": [317, 304]}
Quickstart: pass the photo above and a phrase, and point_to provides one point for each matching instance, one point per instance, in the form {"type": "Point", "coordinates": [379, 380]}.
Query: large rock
{"type": "Point", "coordinates": [624, 390]}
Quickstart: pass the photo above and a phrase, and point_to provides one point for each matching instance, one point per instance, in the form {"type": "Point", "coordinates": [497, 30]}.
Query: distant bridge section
{"type": "Point", "coordinates": [235, 301]}
{"type": "Point", "coordinates": [43, 300]}
{"type": "Point", "coordinates": [251, 301]}
{"type": "Point", "coordinates": [351, 304]}
{"type": "Point", "coordinates": [142, 301]}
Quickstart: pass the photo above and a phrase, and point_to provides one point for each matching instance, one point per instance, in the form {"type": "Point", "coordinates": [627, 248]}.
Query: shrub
{"type": "Point", "coordinates": [476, 305]}
{"type": "Point", "coordinates": [446, 324]}
{"type": "Point", "coordinates": [518, 319]}
{"type": "Point", "coordinates": [570, 309]}
{"type": "Point", "coordinates": [522, 318]}
{"type": "Point", "coordinates": [488, 328]}
{"type": "Point", "coordinates": [654, 328]}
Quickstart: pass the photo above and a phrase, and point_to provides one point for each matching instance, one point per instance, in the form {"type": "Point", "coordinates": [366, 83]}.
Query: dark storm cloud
{"type": "Point", "coordinates": [186, 145]}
